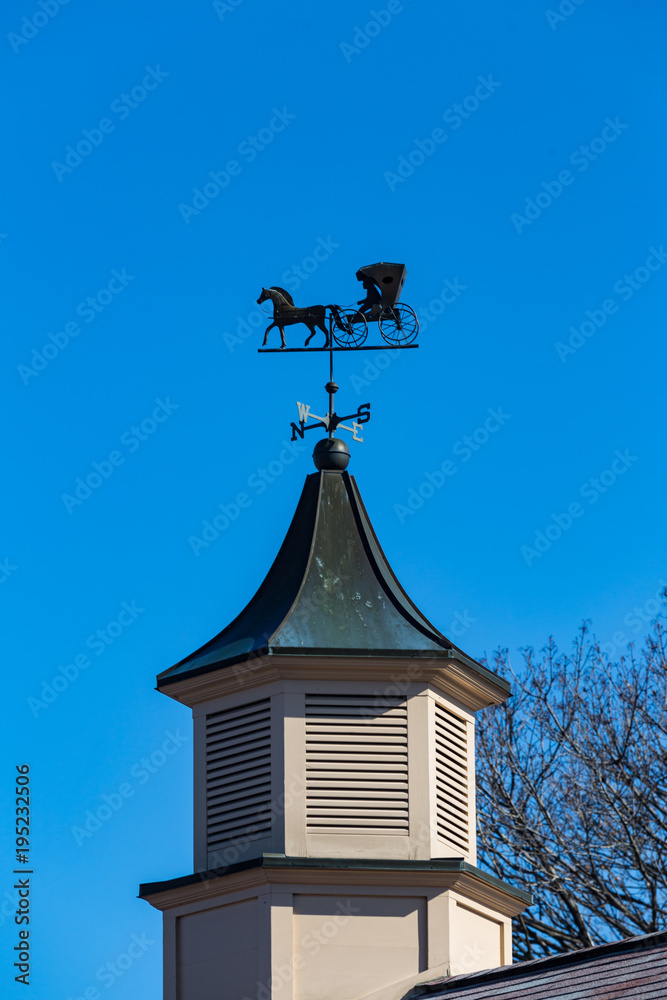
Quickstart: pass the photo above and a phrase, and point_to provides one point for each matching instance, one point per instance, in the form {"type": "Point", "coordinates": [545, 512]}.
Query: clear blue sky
{"type": "Point", "coordinates": [540, 200]}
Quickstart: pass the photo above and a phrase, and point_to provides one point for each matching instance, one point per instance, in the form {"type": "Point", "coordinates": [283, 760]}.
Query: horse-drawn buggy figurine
{"type": "Point", "coordinates": [348, 326]}
{"type": "Point", "coordinates": [397, 322]}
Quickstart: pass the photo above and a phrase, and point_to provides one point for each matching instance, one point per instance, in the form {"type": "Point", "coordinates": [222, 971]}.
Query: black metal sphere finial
{"type": "Point", "coordinates": [331, 455]}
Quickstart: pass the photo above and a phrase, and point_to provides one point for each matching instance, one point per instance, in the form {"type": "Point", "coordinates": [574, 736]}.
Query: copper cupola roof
{"type": "Point", "coordinates": [329, 592]}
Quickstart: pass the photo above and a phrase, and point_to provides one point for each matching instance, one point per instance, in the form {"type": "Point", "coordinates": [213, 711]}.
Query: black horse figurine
{"type": "Point", "coordinates": [285, 313]}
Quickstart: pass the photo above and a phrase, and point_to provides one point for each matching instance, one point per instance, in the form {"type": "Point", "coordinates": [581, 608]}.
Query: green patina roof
{"type": "Point", "coordinates": [329, 592]}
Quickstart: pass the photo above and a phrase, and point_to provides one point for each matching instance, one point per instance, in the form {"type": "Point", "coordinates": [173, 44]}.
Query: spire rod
{"type": "Point", "coordinates": [331, 388]}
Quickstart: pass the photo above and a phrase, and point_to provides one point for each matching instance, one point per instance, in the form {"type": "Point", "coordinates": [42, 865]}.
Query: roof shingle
{"type": "Point", "coordinates": [635, 967]}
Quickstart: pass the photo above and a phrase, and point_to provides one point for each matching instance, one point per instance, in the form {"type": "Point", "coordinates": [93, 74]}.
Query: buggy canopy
{"type": "Point", "coordinates": [388, 277]}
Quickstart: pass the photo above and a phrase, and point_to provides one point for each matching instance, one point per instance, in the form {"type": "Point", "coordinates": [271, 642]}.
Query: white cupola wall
{"type": "Point", "coordinates": [334, 768]}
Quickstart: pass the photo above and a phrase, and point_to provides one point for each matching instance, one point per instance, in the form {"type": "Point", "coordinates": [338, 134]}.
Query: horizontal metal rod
{"type": "Point", "coordinates": [309, 350]}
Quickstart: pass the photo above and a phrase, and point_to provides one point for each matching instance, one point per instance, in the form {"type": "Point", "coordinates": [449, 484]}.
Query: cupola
{"type": "Point", "coordinates": [334, 783]}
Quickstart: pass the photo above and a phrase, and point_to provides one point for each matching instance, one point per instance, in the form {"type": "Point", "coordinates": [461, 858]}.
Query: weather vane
{"type": "Point", "coordinates": [345, 328]}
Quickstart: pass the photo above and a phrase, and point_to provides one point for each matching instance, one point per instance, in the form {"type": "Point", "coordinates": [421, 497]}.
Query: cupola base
{"type": "Point", "coordinates": [281, 928]}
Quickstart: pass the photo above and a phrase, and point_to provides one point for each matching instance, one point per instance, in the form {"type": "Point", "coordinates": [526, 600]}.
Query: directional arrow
{"type": "Point", "coordinates": [331, 422]}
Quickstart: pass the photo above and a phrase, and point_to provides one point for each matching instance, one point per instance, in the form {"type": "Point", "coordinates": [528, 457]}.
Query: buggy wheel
{"type": "Point", "coordinates": [398, 324]}
{"type": "Point", "coordinates": [348, 327]}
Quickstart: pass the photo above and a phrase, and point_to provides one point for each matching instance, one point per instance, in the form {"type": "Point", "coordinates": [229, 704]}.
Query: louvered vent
{"type": "Point", "coordinates": [238, 774]}
{"type": "Point", "coordinates": [356, 765]}
{"type": "Point", "coordinates": [452, 788]}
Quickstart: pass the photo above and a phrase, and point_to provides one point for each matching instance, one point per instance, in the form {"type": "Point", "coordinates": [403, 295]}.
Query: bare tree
{"type": "Point", "coordinates": [572, 792]}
